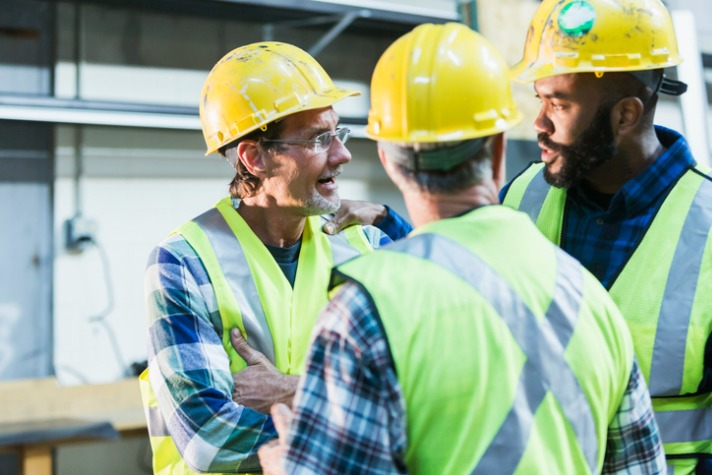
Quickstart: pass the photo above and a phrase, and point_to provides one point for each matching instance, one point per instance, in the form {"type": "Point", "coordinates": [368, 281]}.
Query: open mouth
{"type": "Point", "coordinates": [547, 154]}
{"type": "Point", "coordinates": [544, 148]}
{"type": "Point", "coordinates": [328, 181]}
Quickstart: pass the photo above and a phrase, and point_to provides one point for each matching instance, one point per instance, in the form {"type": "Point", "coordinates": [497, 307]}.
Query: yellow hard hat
{"type": "Point", "coordinates": [598, 36]}
{"type": "Point", "coordinates": [256, 84]}
{"type": "Point", "coordinates": [440, 83]}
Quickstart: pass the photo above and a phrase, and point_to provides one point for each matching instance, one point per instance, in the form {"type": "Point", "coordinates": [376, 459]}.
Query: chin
{"type": "Point", "coordinates": [554, 179]}
{"type": "Point", "coordinates": [322, 205]}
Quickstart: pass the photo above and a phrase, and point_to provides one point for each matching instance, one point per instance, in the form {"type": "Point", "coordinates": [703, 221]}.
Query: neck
{"type": "Point", "coordinates": [424, 207]}
{"type": "Point", "coordinates": [632, 157]}
{"type": "Point", "coordinates": [273, 225]}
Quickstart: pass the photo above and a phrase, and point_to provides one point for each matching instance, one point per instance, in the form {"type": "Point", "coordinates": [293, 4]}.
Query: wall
{"type": "Point", "coordinates": [26, 180]}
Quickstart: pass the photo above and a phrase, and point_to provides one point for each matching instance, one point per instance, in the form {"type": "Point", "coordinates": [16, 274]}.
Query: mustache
{"type": "Point", "coordinates": [332, 174]}
{"type": "Point", "coordinates": [544, 139]}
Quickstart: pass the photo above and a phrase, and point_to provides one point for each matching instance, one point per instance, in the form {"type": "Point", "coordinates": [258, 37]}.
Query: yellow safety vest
{"type": "Point", "coordinates": [665, 294]}
{"type": "Point", "coordinates": [491, 329]}
{"type": "Point", "coordinates": [253, 294]}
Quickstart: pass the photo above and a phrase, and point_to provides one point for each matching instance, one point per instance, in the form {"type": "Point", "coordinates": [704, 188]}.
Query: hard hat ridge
{"type": "Point", "coordinates": [597, 36]}
{"type": "Point", "coordinates": [259, 83]}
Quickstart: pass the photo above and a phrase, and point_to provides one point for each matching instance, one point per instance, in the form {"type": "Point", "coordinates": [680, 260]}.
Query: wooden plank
{"type": "Point", "coordinates": [41, 399]}
{"type": "Point", "coordinates": [37, 460]}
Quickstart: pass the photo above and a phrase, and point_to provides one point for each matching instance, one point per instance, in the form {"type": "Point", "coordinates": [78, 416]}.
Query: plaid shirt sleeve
{"type": "Point", "coordinates": [634, 445]}
{"type": "Point", "coordinates": [189, 369]}
{"type": "Point", "coordinates": [349, 414]}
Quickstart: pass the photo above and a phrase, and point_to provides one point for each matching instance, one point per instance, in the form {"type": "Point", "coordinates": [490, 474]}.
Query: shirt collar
{"type": "Point", "coordinates": [643, 189]}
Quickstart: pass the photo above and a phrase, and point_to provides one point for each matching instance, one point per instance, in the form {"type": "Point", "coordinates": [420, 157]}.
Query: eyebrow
{"type": "Point", "coordinates": [552, 95]}
{"type": "Point", "coordinates": [312, 131]}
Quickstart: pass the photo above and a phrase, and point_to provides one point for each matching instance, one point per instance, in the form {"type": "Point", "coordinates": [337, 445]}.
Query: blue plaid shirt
{"type": "Point", "coordinates": [350, 411]}
{"type": "Point", "coordinates": [603, 238]}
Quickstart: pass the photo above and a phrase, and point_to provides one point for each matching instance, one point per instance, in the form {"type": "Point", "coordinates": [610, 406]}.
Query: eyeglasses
{"type": "Point", "coordinates": [321, 142]}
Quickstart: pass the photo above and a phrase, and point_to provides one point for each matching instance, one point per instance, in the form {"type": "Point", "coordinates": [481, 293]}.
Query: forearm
{"type": "Point", "coordinates": [190, 373]}
{"type": "Point", "coordinates": [211, 432]}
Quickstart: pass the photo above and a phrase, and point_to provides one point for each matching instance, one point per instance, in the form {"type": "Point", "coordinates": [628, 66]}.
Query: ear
{"type": "Point", "coordinates": [392, 173]}
{"type": "Point", "coordinates": [499, 150]}
{"type": "Point", "coordinates": [382, 157]}
{"type": "Point", "coordinates": [626, 115]}
{"type": "Point", "coordinates": [251, 156]}
{"type": "Point", "coordinates": [384, 160]}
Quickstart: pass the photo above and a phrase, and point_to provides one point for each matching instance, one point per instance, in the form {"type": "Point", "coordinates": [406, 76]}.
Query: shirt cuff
{"type": "Point", "coordinates": [395, 226]}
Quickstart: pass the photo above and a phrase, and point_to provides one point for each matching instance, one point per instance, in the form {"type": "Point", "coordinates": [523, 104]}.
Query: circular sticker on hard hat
{"type": "Point", "coordinates": [577, 18]}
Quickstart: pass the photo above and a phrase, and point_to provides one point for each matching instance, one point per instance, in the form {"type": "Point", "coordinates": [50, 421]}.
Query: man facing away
{"type": "Point", "coordinates": [623, 196]}
{"type": "Point", "coordinates": [474, 345]}
{"type": "Point", "coordinates": [627, 198]}
{"type": "Point", "coordinates": [257, 261]}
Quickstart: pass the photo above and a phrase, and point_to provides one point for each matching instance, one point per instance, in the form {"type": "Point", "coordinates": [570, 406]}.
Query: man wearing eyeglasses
{"type": "Point", "coordinates": [256, 264]}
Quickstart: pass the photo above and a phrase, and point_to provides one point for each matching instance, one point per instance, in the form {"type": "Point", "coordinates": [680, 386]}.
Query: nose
{"type": "Point", "coordinates": [542, 123]}
{"type": "Point", "coordinates": [338, 153]}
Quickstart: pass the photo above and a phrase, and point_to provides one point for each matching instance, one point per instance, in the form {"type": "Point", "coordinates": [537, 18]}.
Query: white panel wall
{"type": "Point", "coordinates": [132, 215]}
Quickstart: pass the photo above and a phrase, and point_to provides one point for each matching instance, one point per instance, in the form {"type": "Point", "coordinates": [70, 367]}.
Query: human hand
{"type": "Point", "coordinates": [260, 384]}
{"type": "Point", "coordinates": [271, 454]}
{"type": "Point", "coordinates": [355, 212]}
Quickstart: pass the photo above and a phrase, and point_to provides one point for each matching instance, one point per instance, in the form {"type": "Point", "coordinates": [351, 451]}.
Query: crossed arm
{"type": "Point", "coordinates": [190, 370]}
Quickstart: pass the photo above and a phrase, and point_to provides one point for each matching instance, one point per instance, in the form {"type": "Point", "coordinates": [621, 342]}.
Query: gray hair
{"type": "Point", "coordinates": [441, 167]}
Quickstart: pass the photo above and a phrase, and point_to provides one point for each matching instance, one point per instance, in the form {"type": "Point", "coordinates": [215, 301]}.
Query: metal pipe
{"type": "Point", "coordinates": [336, 30]}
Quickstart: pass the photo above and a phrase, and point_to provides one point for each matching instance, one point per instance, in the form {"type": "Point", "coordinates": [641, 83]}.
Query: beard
{"type": "Point", "coordinates": [316, 205]}
{"type": "Point", "coordinates": [594, 147]}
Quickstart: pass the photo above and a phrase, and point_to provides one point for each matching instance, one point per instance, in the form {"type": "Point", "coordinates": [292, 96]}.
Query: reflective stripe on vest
{"type": "Point", "coordinates": [534, 195]}
{"type": "Point", "coordinates": [347, 244]}
{"type": "Point", "coordinates": [686, 425]}
{"type": "Point", "coordinates": [667, 364]}
{"type": "Point", "coordinates": [234, 266]}
{"type": "Point", "coordinates": [675, 310]}
{"type": "Point", "coordinates": [156, 423]}
{"type": "Point", "coordinates": [544, 345]}
{"type": "Point", "coordinates": [669, 318]}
